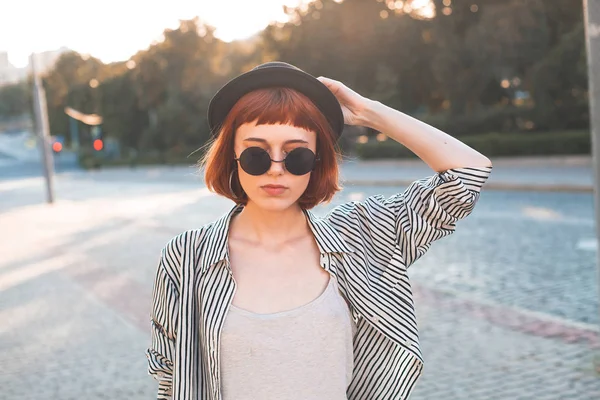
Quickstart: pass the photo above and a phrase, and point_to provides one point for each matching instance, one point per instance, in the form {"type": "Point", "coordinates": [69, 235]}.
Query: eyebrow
{"type": "Point", "coordinates": [252, 139]}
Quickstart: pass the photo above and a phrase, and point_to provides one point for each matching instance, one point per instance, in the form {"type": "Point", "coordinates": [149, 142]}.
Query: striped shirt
{"type": "Point", "coordinates": [367, 246]}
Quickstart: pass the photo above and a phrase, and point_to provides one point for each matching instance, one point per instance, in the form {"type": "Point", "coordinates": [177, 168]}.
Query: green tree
{"type": "Point", "coordinates": [559, 84]}
{"type": "Point", "coordinates": [68, 85]}
{"type": "Point", "coordinates": [15, 100]}
{"type": "Point", "coordinates": [460, 67]}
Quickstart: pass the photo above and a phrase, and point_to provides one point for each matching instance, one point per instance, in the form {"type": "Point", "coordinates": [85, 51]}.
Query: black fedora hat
{"type": "Point", "coordinates": [275, 74]}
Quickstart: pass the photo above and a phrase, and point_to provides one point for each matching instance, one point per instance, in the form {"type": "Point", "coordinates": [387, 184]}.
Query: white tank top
{"type": "Point", "coordinates": [301, 354]}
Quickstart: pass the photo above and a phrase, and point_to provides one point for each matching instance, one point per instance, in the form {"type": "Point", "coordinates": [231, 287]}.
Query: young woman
{"type": "Point", "coordinates": [271, 302]}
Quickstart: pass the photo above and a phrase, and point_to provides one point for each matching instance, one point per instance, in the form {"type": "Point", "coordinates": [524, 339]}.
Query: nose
{"type": "Point", "coordinates": [277, 168]}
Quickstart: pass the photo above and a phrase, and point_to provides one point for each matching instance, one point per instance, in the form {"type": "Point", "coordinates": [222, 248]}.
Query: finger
{"type": "Point", "coordinates": [332, 85]}
{"type": "Point", "coordinates": [327, 81]}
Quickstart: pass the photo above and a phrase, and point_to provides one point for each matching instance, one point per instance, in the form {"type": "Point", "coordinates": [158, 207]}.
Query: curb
{"type": "Point", "coordinates": [517, 187]}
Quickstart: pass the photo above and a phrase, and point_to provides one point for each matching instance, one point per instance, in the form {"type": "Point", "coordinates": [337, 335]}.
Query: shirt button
{"type": "Point", "coordinates": [408, 343]}
{"type": "Point", "coordinates": [375, 319]}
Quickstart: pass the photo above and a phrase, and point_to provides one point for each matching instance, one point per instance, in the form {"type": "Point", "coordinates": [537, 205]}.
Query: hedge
{"type": "Point", "coordinates": [490, 144]}
{"type": "Point", "coordinates": [91, 160]}
{"type": "Point", "coordinates": [496, 144]}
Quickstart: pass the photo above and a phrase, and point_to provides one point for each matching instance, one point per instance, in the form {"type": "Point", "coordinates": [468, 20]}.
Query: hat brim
{"type": "Point", "coordinates": [296, 79]}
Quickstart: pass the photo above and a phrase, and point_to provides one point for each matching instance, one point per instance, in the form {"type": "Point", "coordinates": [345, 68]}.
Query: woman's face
{"type": "Point", "coordinates": [276, 189]}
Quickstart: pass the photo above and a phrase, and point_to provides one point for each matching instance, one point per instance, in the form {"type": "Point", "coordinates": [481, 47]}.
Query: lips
{"type": "Point", "coordinates": [274, 186]}
{"type": "Point", "coordinates": [274, 190]}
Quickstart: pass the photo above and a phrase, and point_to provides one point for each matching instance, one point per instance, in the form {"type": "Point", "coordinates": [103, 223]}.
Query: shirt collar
{"type": "Point", "coordinates": [326, 235]}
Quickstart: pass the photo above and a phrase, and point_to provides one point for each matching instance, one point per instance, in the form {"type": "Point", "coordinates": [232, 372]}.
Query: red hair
{"type": "Point", "coordinates": [273, 106]}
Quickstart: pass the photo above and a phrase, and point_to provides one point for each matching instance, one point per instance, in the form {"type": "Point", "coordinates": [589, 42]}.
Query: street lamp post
{"type": "Point", "coordinates": [43, 130]}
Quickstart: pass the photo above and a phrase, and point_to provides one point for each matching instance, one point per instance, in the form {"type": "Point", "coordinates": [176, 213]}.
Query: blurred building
{"type": "Point", "coordinates": [10, 74]}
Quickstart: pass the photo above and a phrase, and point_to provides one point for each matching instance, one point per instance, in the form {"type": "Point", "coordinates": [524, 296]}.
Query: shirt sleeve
{"type": "Point", "coordinates": [164, 313]}
{"type": "Point", "coordinates": [429, 208]}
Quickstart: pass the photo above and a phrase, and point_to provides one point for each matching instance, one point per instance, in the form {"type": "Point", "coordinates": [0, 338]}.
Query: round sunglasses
{"type": "Point", "coordinates": [256, 161]}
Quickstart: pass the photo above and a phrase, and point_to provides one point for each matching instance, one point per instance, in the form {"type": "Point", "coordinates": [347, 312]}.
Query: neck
{"type": "Point", "coordinates": [266, 226]}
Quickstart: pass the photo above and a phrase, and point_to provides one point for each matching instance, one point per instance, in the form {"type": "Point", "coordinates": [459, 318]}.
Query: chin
{"type": "Point", "coordinates": [274, 203]}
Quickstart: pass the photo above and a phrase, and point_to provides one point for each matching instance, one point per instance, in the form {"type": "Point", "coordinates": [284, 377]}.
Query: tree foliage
{"type": "Point", "coordinates": [468, 66]}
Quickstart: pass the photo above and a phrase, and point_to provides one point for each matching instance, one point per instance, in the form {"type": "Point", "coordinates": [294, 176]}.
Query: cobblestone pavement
{"type": "Point", "coordinates": [515, 320]}
{"type": "Point", "coordinates": [472, 357]}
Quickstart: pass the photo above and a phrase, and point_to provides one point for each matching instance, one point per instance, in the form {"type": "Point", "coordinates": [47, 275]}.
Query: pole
{"type": "Point", "coordinates": [74, 134]}
{"type": "Point", "coordinates": [591, 9]}
{"type": "Point", "coordinates": [43, 131]}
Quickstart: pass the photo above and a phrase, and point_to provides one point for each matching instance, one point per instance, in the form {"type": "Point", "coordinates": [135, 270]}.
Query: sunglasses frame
{"type": "Point", "coordinates": [317, 158]}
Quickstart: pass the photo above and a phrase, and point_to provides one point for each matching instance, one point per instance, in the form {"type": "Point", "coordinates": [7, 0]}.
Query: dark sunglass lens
{"type": "Point", "coordinates": [300, 161]}
{"type": "Point", "coordinates": [255, 161]}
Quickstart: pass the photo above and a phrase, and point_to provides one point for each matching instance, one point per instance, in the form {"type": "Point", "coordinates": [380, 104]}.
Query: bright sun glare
{"type": "Point", "coordinates": [114, 30]}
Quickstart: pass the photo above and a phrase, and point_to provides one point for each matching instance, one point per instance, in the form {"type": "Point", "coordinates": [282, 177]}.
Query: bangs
{"type": "Point", "coordinates": [278, 105]}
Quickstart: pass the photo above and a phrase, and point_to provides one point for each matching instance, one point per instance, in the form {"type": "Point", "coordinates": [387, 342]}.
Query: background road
{"type": "Point", "coordinates": [508, 304]}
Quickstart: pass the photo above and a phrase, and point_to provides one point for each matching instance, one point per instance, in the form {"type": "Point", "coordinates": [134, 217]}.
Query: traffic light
{"type": "Point", "coordinates": [98, 144]}
{"type": "Point", "coordinates": [57, 143]}
{"type": "Point", "coordinates": [97, 138]}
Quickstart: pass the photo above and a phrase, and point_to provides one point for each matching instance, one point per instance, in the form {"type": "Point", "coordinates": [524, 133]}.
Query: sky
{"type": "Point", "coordinates": [114, 30]}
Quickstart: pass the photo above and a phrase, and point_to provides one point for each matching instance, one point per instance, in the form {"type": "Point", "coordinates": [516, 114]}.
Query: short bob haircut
{"type": "Point", "coordinates": [272, 106]}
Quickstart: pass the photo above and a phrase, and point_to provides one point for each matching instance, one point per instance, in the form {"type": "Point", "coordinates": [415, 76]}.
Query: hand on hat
{"type": "Point", "coordinates": [353, 104]}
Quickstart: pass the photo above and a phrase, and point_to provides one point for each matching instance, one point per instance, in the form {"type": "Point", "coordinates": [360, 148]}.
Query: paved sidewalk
{"type": "Point", "coordinates": [541, 174]}
{"type": "Point", "coordinates": [567, 174]}
{"type": "Point", "coordinates": [75, 287]}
